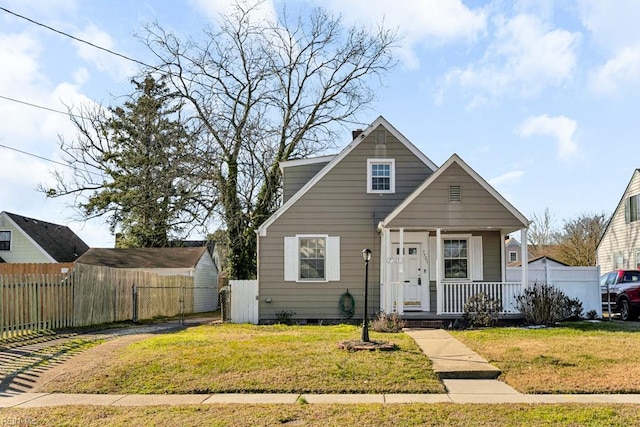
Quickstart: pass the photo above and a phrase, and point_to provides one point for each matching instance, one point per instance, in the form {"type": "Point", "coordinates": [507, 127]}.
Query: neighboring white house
{"type": "Point", "coordinates": [29, 240]}
{"type": "Point", "coordinates": [619, 247]}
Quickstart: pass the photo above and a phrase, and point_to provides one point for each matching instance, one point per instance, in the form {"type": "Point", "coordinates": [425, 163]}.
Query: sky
{"type": "Point", "coordinates": [541, 98]}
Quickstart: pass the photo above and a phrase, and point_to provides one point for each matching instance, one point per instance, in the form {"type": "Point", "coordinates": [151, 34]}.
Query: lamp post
{"type": "Point", "coordinates": [366, 256]}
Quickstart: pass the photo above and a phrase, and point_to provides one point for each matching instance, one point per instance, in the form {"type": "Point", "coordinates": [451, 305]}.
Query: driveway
{"type": "Point", "coordinates": [28, 363]}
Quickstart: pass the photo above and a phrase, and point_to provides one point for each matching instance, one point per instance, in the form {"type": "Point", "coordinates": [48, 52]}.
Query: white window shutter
{"type": "Point", "coordinates": [332, 267]}
{"type": "Point", "coordinates": [291, 259]}
{"type": "Point", "coordinates": [476, 258]}
{"type": "Point", "coordinates": [627, 210]}
{"type": "Point", "coordinates": [432, 258]}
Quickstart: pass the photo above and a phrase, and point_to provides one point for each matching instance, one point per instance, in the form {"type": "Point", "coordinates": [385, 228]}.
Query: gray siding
{"type": "Point", "coordinates": [477, 208]}
{"type": "Point", "coordinates": [338, 205]}
{"type": "Point", "coordinates": [295, 177]}
{"type": "Point", "coordinates": [621, 237]}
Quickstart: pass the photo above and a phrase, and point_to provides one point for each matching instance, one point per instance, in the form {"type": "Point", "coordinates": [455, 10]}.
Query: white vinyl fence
{"type": "Point", "coordinates": [244, 301]}
{"type": "Point", "coordinates": [582, 283]}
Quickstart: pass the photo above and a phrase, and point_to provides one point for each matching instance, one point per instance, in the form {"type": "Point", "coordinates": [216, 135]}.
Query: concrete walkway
{"type": "Point", "coordinates": [467, 377]}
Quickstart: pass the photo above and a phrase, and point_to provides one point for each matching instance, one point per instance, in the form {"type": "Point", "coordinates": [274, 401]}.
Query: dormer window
{"type": "Point", "coordinates": [381, 176]}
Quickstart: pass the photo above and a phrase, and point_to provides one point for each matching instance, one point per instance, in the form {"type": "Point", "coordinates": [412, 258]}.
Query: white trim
{"type": "Point", "coordinates": [392, 175]}
{"type": "Point", "coordinates": [380, 121]}
{"type": "Point", "coordinates": [303, 162]}
{"type": "Point", "coordinates": [433, 177]}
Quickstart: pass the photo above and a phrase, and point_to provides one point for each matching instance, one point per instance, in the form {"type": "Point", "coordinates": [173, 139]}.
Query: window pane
{"type": "Point", "coordinates": [380, 176]}
{"type": "Point", "coordinates": [5, 240]}
{"type": "Point", "coordinates": [455, 259]}
{"type": "Point", "coordinates": [312, 258]}
{"type": "Point", "coordinates": [633, 208]}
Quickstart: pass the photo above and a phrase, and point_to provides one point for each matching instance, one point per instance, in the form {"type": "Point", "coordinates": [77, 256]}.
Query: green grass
{"type": "Point", "coordinates": [580, 357]}
{"type": "Point", "coordinates": [257, 359]}
{"type": "Point", "coordinates": [450, 415]}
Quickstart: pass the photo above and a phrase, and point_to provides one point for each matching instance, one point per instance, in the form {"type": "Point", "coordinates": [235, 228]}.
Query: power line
{"type": "Point", "coordinates": [128, 58]}
{"type": "Point", "coordinates": [40, 106]}
{"type": "Point", "coordinates": [47, 160]}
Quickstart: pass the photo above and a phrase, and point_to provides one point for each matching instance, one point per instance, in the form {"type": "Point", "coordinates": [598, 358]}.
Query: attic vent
{"type": "Point", "coordinates": [381, 136]}
{"type": "Point", "coordinates": [454, 193]}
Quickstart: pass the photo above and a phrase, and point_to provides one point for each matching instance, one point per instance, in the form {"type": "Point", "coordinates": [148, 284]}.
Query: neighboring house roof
{"type": "Point", "coordinates": [518, 263]}
{"type": "Point", "coordinates": [620, 204]}
{"type": "Point", "coordinates": [338, 158]}
{"type": "Point", "coordinates": [58, 241]}
{"type": "Point", "coordinates": [433, 177]}
{"type": "Point", "coordinates": [143, 257]}
{"type": "Point", "coordinates": [309, 161]}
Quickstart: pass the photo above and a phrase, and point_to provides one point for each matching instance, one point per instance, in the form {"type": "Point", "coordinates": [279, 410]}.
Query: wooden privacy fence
{"type": "Point", "coordinates": [88, 295]}
{"type": "Point", "coordinates": [34, 302]}
{"type": "Point", "coordinates": [35, 268]}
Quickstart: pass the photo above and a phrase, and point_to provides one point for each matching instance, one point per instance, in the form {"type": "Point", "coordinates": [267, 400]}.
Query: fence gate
{"type": "Point", "coordinates": [244, 301]}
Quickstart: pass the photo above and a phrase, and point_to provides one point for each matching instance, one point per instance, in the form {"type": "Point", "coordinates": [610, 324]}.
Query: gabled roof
{"type": "Point", "coordinates": [143, 257]}
{"type": "Point", "coordinates": [531, 260]}
{"type": "Point", "coordinates": [58, 241]}
{"type": "Point", "coordinates": [309, 161]}
{"type": "Point", "coordinates": [262, 230]}
{"type": "Point", "coordinates": [434, 176]}
{"type": "Point", "coordinates": [620, 204]}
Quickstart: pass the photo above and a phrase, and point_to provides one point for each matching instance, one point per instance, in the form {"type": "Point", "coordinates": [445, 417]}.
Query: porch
{"type": "Point", "coordinates": [451, 299]}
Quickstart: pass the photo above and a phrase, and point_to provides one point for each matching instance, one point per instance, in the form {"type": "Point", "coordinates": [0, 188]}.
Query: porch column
{"type": "Point", "coordinates": [524, 257]}
{"type": "Point", "coordinates": [389, 298]}
{"type": "Point", "coordinates": [438, 271]}
{"type": "Point", "coordinates": [503, 258]}
{"type": "Point", "coordinates": [400, 291]}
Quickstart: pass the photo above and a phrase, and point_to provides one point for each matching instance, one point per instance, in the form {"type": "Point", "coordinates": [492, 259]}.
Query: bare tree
{"type": "Point", "coordinates": [580, 239]}
{"type": "Point", "coordinates": [265, 92]}
{"type": "Point", "coordinates": [542, 234]}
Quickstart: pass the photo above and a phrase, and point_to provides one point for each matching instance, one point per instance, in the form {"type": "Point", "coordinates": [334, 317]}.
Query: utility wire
{"type": "Point", "coordinates": [128, 58]}
{"type": "Point", "coordinates": [48, 160]}
{"type": "Point", "coordinates": [41, 107]}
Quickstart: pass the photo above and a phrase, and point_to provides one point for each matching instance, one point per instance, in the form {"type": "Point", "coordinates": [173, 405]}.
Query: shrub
{"type": "Point", "coordinates": [592, 315]}
{"type": "Point", "coordinates": [284, 317]}
{"type": "Point", "coordinates": [481, 311]}
{"type": "Point", "coordinates": [387, 322]}
{"type": "Point", "coordinates": [543, 304]}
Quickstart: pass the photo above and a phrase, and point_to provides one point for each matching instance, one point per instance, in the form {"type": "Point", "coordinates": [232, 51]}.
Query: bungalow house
{"type": "Point", "coordinates": [194, 262]}
{"type": "Point", "coordinates": [29, 240]}
{"type": "Point", "coordinates": [436, 234]}
{"type": "Point", "coordinates": [619, 247]}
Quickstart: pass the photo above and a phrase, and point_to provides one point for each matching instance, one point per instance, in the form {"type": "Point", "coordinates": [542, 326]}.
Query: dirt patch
{"type": "Point", "coordinates": [77, 365]}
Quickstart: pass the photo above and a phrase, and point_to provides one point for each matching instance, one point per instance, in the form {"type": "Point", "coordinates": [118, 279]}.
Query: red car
{"type": "Point", "coordinates": [622, 289]}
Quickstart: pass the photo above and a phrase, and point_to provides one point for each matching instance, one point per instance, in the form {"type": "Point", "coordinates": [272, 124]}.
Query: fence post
{"type": "Point", "coordinates": [135, 303]}
{"type": "Point", "coordinates": [182, 289]}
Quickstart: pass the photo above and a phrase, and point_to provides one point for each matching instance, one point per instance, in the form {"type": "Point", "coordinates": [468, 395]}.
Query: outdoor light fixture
{"type": "Point", "coordinates": [366, 256]}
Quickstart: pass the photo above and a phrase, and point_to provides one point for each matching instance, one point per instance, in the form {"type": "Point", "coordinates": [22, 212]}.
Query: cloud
{"type": "Point", "coordinates": [423, 23]}
{"type": "Point", "coordinates": [614, 29]}
{"type": "Point", "coordinates": [262, 11]}
{"type": "Point", "coordinates": [561, 128]}
{"type": "Point", "coordinates": [117, 67]}
{"type": "Point", "coordinates": [621, 72]}
{"type": "Point", "coordinates": [525, 57]}
{"type": "Point", "coordinates": [507, 178]}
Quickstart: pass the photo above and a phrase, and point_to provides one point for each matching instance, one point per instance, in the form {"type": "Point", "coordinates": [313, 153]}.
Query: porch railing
{"type": "Point", "coordinates": [455, 295]}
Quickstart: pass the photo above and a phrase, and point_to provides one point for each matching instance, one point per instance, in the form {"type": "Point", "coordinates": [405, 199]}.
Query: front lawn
{"type": "Point", "coordinates": [580, 357]}
{"type": "Point", "coordinates": [256, 359]}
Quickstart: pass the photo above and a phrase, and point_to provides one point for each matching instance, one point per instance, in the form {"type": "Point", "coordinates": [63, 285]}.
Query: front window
{"type": "Point", "coordinates": [456, 259]}
{"type": "Point", "coordinates": [381, 176]}
{"type": "Point", "coordinates": [312, 258]}
{"type": "Point", "coordinates": [5, 240]}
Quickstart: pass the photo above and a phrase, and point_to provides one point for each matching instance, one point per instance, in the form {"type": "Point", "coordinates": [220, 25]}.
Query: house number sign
{"type": "Point", "coordinates": [395, 260]}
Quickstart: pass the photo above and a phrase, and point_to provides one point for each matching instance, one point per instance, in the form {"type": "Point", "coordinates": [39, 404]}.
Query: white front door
{"type": "Point", "coordinates": [412, 281]}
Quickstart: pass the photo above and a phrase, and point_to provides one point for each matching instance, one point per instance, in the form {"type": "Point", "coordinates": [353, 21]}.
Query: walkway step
{"type": "Point", "coordinates": [451, 359]}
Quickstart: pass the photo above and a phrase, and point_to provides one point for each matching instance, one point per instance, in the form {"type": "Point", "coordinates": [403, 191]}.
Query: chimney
{"type": "Point", "coordinates": [356, 133]}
